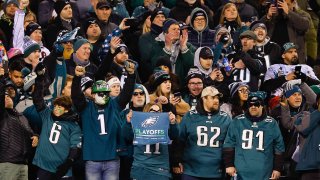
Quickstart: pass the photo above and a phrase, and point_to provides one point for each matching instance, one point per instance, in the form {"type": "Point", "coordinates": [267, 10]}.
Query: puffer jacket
{"type": "Point", "coordinates": [200, 38]}
{"type": "Point", "coordinates": [15, 133]}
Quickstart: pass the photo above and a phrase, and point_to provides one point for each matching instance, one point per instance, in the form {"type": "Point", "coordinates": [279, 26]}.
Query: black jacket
{"type": "Point", "coordinates": [15, 133]}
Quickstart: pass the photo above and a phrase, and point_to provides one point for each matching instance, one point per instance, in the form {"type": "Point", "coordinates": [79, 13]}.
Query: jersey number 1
{"type": "Point", "coordinates": [102, 124]}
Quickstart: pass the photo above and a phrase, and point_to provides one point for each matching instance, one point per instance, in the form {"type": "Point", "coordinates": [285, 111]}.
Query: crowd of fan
{"type": "Point", "coordinates": [238, 78]}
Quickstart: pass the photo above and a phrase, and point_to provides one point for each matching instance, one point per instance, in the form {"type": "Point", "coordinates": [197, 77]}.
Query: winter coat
{"type": "Point", "coordinates": [200, 38]}
{"type": "Point", "coordinates": [180, 64]}
{"type": "Point", "coordinates": [15, 133]}
{"type": "Point", "coordinates": [297, 26]}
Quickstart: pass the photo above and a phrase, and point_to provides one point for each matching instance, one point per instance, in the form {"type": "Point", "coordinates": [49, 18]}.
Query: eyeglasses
{"type": "Point", "coordinates": [202, 19]}
{"type": "Point", "coordinates": [244, 91]}
{"type": "Point", "coordinates": [153, 110]}
{"type": "Point", "coordinates": [138, 93]}
{"type": "Point", "coordinates": [196, 84]}
{"type": "Point", "coordinates": [255, 103]}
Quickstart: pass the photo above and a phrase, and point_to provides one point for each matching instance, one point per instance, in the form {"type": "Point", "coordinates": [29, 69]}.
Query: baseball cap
{"type": "Point", "coordinates": [248, 34]}
{"type": "Point", "coordinates": [210, 91]}
{"type": "Point", "coordinates": [206, 53]}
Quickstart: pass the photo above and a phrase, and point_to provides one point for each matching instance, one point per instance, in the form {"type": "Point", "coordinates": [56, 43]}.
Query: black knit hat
{"type": "Point", "coordinates": [164, 61]}
{"type": "Point", "coordinates": [88, 22]}
{"type": "Point", "coordinates": [199, 12]}
{"type": "Point", "coordinates": [167, 23]}
{"type": "Point", "coordinates": [59, 5]}
{"type": "Point", "coordinates": [121, 48]}
{"type": "Point", "coordinates": [194, 72]}
{"type": "Point", "coordinates": [31, 28]}
{"type": "Point", "coordinates": [159, 77]}
{"type": "Point", "coordinates": [156, 12]}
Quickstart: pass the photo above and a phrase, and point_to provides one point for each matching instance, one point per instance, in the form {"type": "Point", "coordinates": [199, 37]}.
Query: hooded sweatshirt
{"type": "Point", "coordinates": [200, 38]}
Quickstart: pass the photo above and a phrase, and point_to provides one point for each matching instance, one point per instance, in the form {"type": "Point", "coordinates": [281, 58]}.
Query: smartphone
{"type": "Point", "coordinates": [297, 70]}
{"type": "Point", "coordinates": [177, 94]}
{"type": "Point", "coordinates": [131, 22]}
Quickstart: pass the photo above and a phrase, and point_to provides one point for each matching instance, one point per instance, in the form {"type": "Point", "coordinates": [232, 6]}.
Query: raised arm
{"type": "Point", "coordinates": [78, 98]}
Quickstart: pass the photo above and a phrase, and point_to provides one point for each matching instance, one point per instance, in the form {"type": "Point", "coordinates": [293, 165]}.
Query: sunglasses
{"type": "Point", "coordinates": [153, 110]}
{"type": "Point", "coordinates": [101, 94]}
{"type": "Point", "coordinates": [138, 93]}
{"type": "Point", "coordinates": [255, 103]}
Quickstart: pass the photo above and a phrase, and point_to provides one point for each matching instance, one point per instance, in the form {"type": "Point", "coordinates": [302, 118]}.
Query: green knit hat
{"type": "Point", "coordinates": [29, 46]}
{"type": "Point", "coordinates": [79, 42]}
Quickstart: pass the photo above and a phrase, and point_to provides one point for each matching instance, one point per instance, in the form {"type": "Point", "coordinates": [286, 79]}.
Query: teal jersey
{"type": "Point", "coordinates": [56, 139]}
{"type": "Point", "coordinates": [60, 79]}
{"type": "Point", "coordinates": [151, 157]}
{"type": "Point", "coordinates": [255, 144]}
{"type": "Point", "coordinates": [203, 137]}
{"type": "Point", "coordinates": [101, 131]}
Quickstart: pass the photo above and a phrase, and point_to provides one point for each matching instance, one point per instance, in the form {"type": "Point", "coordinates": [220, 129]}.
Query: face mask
{"type": "Point", "coordinates": [101, 99]}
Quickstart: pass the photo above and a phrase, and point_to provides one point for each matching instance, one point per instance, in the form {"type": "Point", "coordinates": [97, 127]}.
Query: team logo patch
{"type": "Point", "coordinates": [150, 121]}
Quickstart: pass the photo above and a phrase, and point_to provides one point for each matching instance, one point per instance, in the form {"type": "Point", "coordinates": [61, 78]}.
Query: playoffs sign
{"type": "Point", "coordinates": [150, 128]}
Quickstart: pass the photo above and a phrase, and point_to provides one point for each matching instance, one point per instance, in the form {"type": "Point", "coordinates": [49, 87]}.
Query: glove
{"type": "Point", "coordinates": [224, 38]}
{"type": "Point", "coordinates": [40, 69]}
{"type": "Point", "coordinates": [63, 169]}
{"type": "Point", "coordinates": [289, 85]}
{"type": "Point", "coordinates": [58, 49]}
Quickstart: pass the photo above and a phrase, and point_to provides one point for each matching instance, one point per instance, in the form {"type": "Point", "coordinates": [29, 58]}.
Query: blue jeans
{"type": "Point", "coordinates": [102, 170]}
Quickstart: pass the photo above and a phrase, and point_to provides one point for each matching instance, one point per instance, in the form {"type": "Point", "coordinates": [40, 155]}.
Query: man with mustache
{"type": "Point", "coordinates": [288, 70]}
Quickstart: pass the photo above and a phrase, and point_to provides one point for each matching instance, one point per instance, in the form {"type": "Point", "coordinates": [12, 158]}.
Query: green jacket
{"type": "Point", "coordinates": [184, 60]}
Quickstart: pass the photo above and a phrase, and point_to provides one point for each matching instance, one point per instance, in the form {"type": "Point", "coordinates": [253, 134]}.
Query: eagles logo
{"type": "Point", "coordinates": [150, 121]}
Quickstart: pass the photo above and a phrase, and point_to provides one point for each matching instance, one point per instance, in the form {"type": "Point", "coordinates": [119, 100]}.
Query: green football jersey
{"type": "Point", "coordinates": [203, 137]}
{"type": "Point", "coordinates": [255, 144]}
{"type": "Point", "coordinates": [56, 139]}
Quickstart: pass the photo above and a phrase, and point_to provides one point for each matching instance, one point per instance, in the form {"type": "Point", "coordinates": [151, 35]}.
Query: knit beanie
{"type": "Point", "coordinates": [29, 46]}
{"type": "Point", "coordinates": [164, 61]}
{"type": "Point", "coordinates": [159, 77]}
{"type": "Point", "coordinates": [31, 28]}
{"type": "Point", "coordinates": [113, 81]}
{"type": "Point", "coordinates": [6, 3]}
{"type": "Point", "coordinates": [234, 87]}
{"type": "Point", "coordinates": [291, 91]}
{"type": "Point", "coordinates": [86, 82]}
{"type": "Point", "coordinates": [194, 72]}
{"type": "Point", "coordinates": [121, 48]}
{"type": "Point", "coordinates": [167, 23]}
{"type": "Point", "coordinates": [156, 12]}
{"type": "Point", "coordinates": [257, 24]}
{"type": "Point", "coordinates": [79, 42]}
{"type": "Point", "coordinates": [88, 22]}
{"type": "Point", "coordinates": [139, 86]}
{"type": "Point", "coordinates": [198, 12]}
{"type": "Point", "coordinates": [59, 5]}
{"type": "Point", "coordinates": [257, 96]}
